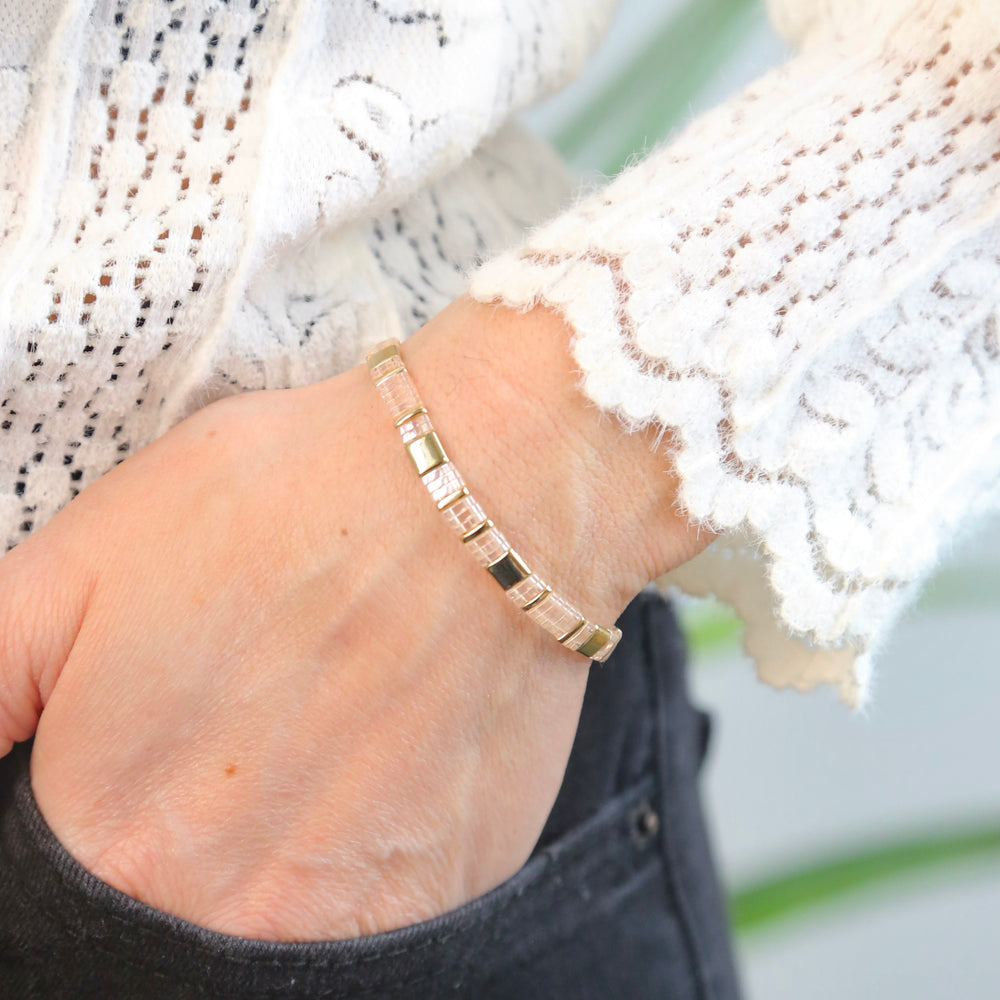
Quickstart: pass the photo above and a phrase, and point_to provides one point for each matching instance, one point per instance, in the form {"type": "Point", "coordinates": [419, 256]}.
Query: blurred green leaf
{"type": "Point", "coordinates": [710, 628]}
{"type": "Point", "coordinates": [713, 630]}
{"type": "Point", "coordinates": [789, 894]}
{"type": "Point", "coordinates": [654, 90]}
{"type": "Point", "coordinates": [965, 587]}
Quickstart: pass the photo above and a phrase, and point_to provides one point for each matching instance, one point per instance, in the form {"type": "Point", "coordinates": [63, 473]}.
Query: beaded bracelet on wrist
{"type": "Point", "coordinates": [478, 533]}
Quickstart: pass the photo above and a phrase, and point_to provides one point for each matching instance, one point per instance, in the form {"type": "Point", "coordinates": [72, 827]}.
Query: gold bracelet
{"type": "Point", "coordinates": [479, 534]}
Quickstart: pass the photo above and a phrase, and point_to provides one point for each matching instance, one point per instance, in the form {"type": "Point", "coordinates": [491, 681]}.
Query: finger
{"type": "Point", "coordinates": [42, 603]}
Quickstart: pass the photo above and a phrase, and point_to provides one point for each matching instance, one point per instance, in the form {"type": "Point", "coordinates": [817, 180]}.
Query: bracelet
{"type": "Point", "coordinates": [479, 534]}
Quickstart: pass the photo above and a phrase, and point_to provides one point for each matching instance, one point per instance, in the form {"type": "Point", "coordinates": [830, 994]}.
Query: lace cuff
{"type": "Point", "coordinates": [804, 287]}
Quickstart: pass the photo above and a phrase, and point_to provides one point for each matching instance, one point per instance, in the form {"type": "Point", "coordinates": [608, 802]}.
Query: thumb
{"type": "Point", "coordinates": [42, 604]}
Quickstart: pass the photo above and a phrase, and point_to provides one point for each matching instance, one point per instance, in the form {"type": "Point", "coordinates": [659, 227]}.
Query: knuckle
{"type": "Point", "coordinates": [40, 615]}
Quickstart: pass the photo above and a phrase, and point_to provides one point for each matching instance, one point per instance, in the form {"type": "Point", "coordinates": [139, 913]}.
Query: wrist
{"type": "Point", "coordinates": [589, 505]}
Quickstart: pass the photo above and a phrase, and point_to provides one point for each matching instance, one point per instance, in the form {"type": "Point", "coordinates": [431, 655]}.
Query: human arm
{"type": "Point", "coordinates": [587, 368]}
{"type": "Point", "coordinates": [279, 699]}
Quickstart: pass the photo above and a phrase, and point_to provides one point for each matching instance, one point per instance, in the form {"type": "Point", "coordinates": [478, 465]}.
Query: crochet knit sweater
{"type": "Point", "coordinates": [804, 286]}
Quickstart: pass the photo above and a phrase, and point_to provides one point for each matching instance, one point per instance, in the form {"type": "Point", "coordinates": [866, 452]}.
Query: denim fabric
{"type": "Point", "coordinates": [619, 898]}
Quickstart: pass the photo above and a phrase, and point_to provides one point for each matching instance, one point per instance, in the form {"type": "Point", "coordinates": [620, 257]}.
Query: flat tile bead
{"type": "Point", "coordinates": [556, 615]}
{"type": "Point", "coordinates": [415, 427]}
{"type": "Point", "coordinates": [399, 394]}
{"type": "Point", "coordinates": [443, 481]}
{"type": "Point", "coordinates": [580, 636]}
{"type": "Point", "coordinates": [464, 514]}
{"type": "Point", "coordinates": [385, 367]}
{"type": "Point", "coordinates": [526, 590]}
{"type": "Point", "coordinates": [607, 649]}
{"type": "Point", "coordinates": [488, 547]}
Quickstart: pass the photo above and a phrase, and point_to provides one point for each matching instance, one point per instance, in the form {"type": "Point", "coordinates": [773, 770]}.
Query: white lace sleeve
{"type": "Point", "coordinates": [805, 287]}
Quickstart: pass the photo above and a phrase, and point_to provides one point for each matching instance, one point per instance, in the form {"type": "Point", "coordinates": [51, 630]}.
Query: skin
{"type": "Point", "coordinates": [269, 691]}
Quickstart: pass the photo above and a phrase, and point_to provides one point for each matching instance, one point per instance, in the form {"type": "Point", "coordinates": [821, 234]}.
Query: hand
{"type": "Point", "coordinates": [276, 698]}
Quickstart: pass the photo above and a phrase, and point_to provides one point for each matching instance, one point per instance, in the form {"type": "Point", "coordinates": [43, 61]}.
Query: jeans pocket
{"type": "Point", "coordinates": [618, 900]}
{"type": "Point", "coordinates": [586, 917]}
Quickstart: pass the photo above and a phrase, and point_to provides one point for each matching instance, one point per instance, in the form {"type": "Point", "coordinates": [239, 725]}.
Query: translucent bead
{"type": "Point", "coordinates": [526, 591]}
{"type": "Point", "coordinates": [399, 394]}
{"type": "Point", "coordinates": [464, 515]}
{"type": "Point", "coordinates": [488, 547]}
{"type": "Point", "coordinates": [555, 615]}
{"type": "Point", "coordinates": [383, 368]}
{"type": "Point", "coordinates": [443, 481]}
{"type": "Point", "coordinates": [416, 427]}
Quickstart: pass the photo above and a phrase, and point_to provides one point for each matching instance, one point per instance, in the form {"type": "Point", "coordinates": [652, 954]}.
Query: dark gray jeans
{"type": "Point", "coordinates": [619, 899]}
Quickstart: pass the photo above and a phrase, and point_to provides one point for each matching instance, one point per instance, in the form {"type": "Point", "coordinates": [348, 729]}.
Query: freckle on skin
{"type": "Point", "coordinates": [343, 532]}
{"type": "Point", "coordinates": [230, 770]}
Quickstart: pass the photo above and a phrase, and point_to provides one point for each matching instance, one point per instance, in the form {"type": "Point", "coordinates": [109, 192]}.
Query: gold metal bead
{"type": "Point", "coordinates": [595, 643]}
{"type": "Point", "coordinates": [478, 530]}
{"type": "Point", "coordinates": [538, 600]}
{"type": "Point", "coordinates": [401, 370]}
{"type": "Point", "coordinates": [414, 411]}
{"type": "Point", "coordinates": [509, 570]}
{"type": "Point", "coordinates": [426, 452]}
{"type": "Point", "coordinates": [453, 498]}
